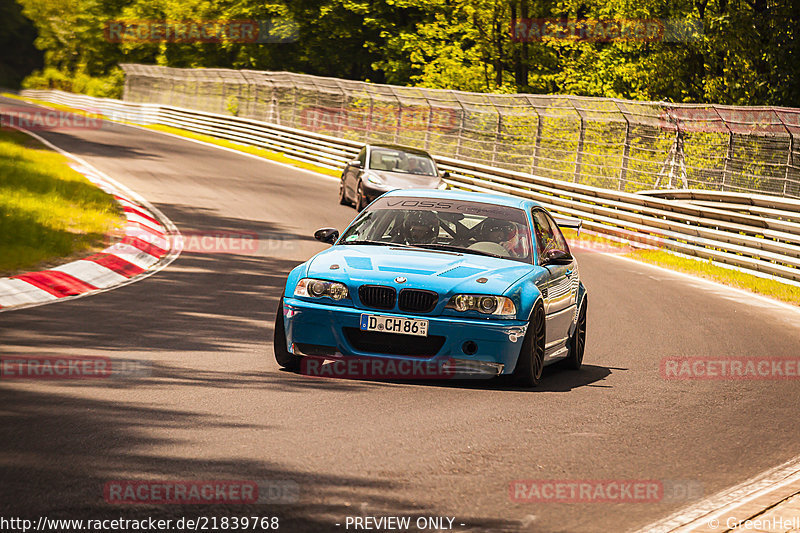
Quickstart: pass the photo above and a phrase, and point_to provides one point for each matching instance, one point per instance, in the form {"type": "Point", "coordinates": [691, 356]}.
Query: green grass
{"type": "Point", "coordinates": [704, 269]}
{"type": "Point", "coordinates": [49, 213]}
{"type": "Point", "coordinates": [734, 278]}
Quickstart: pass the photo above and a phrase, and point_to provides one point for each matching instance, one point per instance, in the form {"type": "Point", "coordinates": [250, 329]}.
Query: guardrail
{"type": "Point", "coordinates": [753, 232]}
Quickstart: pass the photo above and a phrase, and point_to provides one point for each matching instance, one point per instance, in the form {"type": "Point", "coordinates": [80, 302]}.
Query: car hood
{"type": "Point", "coordinates": [403, 180]}
{"type": "Point", "coordinates": [423, 269]}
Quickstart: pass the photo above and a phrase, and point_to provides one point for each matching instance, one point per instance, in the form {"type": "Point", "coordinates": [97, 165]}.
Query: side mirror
{"type": "Point", "coordinates": [556, 257]}
{"type": "Point", "coordinates": [327, 235]}
{"type": "Point", "coordinates": [445, 174]}
{"type": "Point", "coordinates": [355, 163]}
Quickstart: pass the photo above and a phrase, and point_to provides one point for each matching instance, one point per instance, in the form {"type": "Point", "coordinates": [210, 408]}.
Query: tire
{"type": "Point", "coordinates": [577, 343]}
{"type": "Point", "coordinates": [528, 372]}
{"type": "Point", "coordinates": [286, 360]}
{"type": "Point", "coordinates": [361, 202]}
{"type": "Point", "coordinates": [342, 196]}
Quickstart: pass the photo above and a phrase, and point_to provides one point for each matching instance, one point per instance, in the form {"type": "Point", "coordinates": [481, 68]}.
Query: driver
{"type": "Point", "coordinates": [420, 227]}
{"type": "Point", "coordinates": [414, 166]}
{"type": "Point", "coordinates": [507, 235]}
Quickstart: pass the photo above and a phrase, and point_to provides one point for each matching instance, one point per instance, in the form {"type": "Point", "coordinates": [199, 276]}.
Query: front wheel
{"type": "Point", "coordinates": [361, 201]}
{"type": "Point", "coordinates": [342, 193]}
{"type": "Point", "coordinates": [577, 343]}
{"type": "Point", "coordinates": [530, 364]}
{"type": "Point", "coordinates": [285, 359]}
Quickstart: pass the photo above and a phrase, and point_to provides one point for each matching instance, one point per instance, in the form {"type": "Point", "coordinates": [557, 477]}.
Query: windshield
{"type": "Point", "coordinates": [395, 160]}
{"type": "Point", "coordinates": [450, 225]}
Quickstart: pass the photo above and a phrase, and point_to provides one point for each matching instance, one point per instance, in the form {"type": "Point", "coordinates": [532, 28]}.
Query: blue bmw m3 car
{"type": "Point", "coordinates": [471, 283]}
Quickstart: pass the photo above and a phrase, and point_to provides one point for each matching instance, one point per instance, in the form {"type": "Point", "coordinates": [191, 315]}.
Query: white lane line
{"type": "Point", "coordinates": [18, 292]}
{"type": "Point", "coordinates": [743, 295]}
{"type": "Point", "coordinates": [701, 513]}
{"type": "Point", "coordinates": [92, 273]}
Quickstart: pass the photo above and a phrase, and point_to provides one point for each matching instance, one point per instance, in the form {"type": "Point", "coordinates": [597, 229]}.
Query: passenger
{"type": "Point", "coordinates": [507, 235]}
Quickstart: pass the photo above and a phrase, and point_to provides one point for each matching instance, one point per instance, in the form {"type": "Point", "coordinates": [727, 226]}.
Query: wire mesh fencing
{"type": "Point", "coordinates": [611, 143]}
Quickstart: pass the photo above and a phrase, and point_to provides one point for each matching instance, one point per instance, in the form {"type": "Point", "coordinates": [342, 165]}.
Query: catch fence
{"type": "Point", "coordinates": [610, 143]}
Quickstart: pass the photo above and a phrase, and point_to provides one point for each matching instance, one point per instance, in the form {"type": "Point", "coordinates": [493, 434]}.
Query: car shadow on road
{"type": "Point", "coordinates": [554, 379]}
{"type": "Point", "coordinates": [60, 450]}
{"type": "Point", "coordinates": [84, 147]}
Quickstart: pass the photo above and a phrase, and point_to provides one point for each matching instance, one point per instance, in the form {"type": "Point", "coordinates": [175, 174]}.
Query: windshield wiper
{"type": "Point", "coordinates": [376, 243]}
{"type": "Point", "coordinates": [458, 249]}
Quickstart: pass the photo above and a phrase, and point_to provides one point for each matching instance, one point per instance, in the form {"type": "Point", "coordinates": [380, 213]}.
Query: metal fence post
{"type": "Point", "coordinates": [789, 163]}
{"type": "Point", "coordinates": [626, 150]}
{"type": "Point", "coordinates": [579, 153]}
{"type": "Point", "coordinates": [726, 162]}
{"type": "Point", "coordinates": [462, 126]}
{"type": "Point", "coordinates": [789, 156]}
{"type": "Point", "coordinates": [497, 134]}
{"type": "Point", "coordinates": [428, 126]}
{"type": "Point", "coordinates": [536, 149]}
{"type": "Point", "coordinates": [399, 117]}
{"type": "Point", "coordinates": [294, 105]}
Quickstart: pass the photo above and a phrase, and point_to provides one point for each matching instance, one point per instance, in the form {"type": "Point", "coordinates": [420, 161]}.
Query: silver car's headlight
{"type": "Point", "coordinates": [488, 305]}
{"type": "Point", "coordinates": [375, 180]}
{"type": "Point", "coordinates": [319, 288]}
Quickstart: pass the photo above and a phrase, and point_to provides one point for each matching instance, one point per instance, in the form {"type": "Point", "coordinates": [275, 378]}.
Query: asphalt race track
{"type": "Point", "coordinates": [216, 406]}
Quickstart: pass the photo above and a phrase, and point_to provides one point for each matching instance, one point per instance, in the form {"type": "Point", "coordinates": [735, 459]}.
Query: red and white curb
{"type": "Point", "coordinates": [151, 242]}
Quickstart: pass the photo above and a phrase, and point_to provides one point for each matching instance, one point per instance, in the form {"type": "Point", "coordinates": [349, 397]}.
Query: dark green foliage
{"type": "Point", "coordinates": [748, 52]}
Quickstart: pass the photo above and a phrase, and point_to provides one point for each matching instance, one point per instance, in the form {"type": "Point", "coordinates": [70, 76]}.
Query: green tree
{"type": "Point", "coordinates": [18, 55]}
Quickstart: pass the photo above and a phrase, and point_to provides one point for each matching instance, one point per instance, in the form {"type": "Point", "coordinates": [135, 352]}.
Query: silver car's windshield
{"type": "Point", "coordinates": [448, 225]}
{"type": "Point", "coordinates": [393, 160]}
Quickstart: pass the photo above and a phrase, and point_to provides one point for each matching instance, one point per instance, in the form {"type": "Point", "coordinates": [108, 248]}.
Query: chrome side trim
{"type": "Point", "coordinates": [570, 308]}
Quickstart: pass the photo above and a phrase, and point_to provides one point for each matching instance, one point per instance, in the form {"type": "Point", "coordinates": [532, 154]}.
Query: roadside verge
{"type": "Point", "coordinates": [150, 243]}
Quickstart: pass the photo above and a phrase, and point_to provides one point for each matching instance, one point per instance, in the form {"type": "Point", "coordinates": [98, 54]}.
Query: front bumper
{"type": "Point", "coordinates": [462, 347]}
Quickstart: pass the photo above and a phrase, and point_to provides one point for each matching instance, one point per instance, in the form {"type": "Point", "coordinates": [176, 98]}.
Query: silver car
{"type": "Point", "coordinates": [380, 168]}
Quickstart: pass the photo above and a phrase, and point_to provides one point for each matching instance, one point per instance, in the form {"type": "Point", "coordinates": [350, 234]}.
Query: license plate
{"type": "Point", "coordinates": [394, 324]}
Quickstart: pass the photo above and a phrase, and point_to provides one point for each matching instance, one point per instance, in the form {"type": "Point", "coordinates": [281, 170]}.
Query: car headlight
{"type": "Point", "coordinates": [375, 180]}
{"type": "Point", "coordinates": [488, 305]}
{"type": "Point", "coordinates": [318, 288]}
